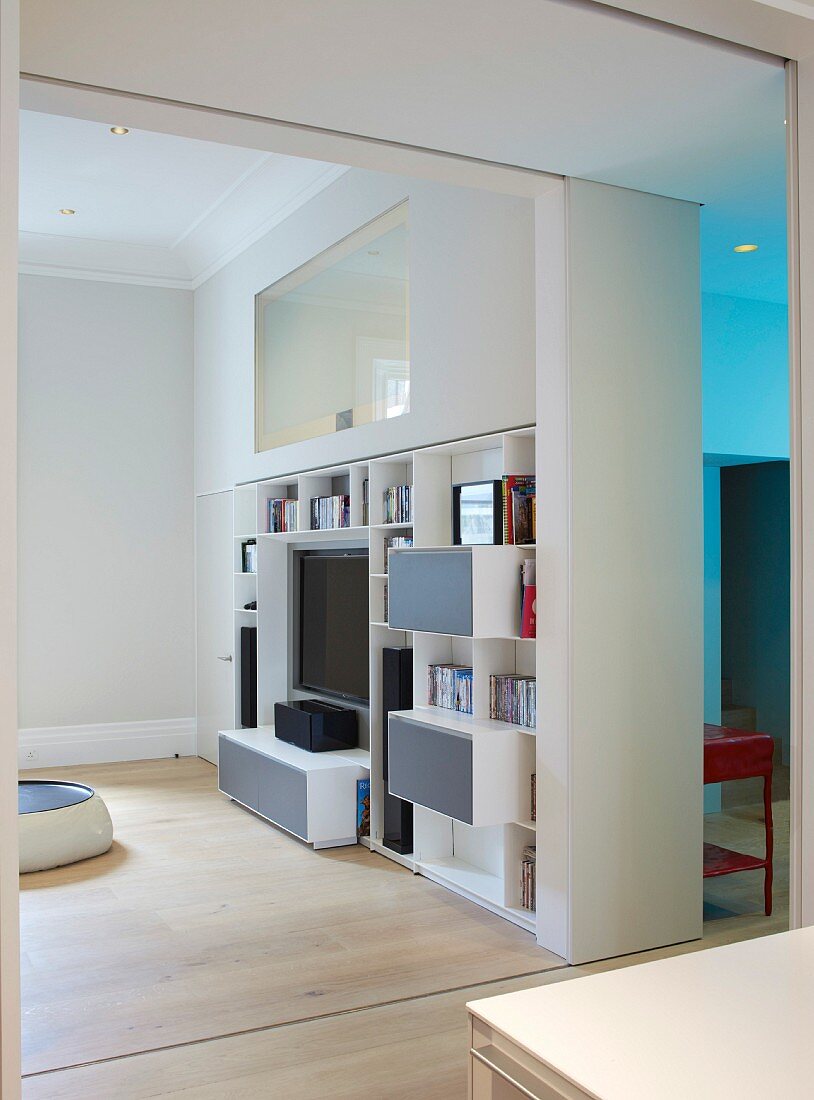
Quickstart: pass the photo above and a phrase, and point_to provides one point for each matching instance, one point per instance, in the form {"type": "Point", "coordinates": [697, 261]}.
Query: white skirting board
{"type": "Point", "coordinates": [55, 746]}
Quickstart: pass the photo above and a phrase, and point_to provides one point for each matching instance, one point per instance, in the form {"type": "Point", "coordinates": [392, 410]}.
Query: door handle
{"type": "Point", "coordinates": [228, 657]}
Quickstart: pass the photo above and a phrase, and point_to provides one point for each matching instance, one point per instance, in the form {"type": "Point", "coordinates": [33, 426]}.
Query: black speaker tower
{"type": "Point", "coordinates": [248, 677]}
{"type": "Point", "coordinates": [397, 694]}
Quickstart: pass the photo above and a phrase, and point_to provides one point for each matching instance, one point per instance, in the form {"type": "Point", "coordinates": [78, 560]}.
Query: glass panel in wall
{"type": "Point", "coordinates": [332, 344]}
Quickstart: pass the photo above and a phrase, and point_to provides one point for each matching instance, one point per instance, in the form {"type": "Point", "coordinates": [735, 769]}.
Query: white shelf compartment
{"type": "Point", "coordinates": [481, 864]}
{"type": "Point", "coordinates": [245, 589]}
{"type": "Point", "coordinates": [330, 482]}
{"type": "Point", "coordinates": [286, 488]}
{"type": "Point", "coordinates": [476, 885]}
{"type": "Point", "coordinates": [384, 474]}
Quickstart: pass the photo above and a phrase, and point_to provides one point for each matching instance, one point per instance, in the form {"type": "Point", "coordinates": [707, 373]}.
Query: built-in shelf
{"type": "Point", "coordinates": [246, 610]}
{"type": "Point", "coordinates": [456, 721]}
{"type": "Point", "coordinates": [474, 852]}
{"type": "Point", "coordinates": [333, 534]}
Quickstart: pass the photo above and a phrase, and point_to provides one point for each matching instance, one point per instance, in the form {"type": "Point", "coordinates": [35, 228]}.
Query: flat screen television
{"type": "Point", "coordinates": [333, 624]}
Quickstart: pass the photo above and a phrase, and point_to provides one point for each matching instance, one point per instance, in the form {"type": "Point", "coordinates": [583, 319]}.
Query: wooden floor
{"type": "Point", "coordinates": [209, 955]}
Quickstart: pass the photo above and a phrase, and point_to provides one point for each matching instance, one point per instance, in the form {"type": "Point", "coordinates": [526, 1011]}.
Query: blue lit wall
{"type": "Point", "coordinates": [745, 377]}
{"type": "Point", "coordinates": [745, 393]}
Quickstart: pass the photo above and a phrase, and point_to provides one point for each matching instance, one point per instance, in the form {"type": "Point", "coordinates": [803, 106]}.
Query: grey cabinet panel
{"type": "Point", "coordinates": [431, 766]}
{"type": "Point", "coordinates": [431, 590]}
{"type": "Point", "coordinates": [237, 772]}
{"type": "Point", "coordinates": [283, 795]}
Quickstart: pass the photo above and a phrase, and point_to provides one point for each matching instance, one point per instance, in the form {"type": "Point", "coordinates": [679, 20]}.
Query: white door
{"type": "Point", "coordinates": [214, 565]}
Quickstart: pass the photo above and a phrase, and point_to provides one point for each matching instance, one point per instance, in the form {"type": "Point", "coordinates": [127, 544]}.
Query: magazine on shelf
{"type": "Point", "coordinates": [398, 504]}
{"type": "Point", "coordinates": [528, 598]}
{"type": "Point", "coordinates": [328, 513]}
{"type": "Point", "coordinates": [395, 542]}
{"type": "Point", "coordinates": [282, 515]}
{"type": "Point", "coordinates": [519, 509]}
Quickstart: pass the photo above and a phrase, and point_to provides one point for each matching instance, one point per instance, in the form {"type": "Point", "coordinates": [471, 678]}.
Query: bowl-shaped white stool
{"type": "Point", "coordinates": [60, 823]}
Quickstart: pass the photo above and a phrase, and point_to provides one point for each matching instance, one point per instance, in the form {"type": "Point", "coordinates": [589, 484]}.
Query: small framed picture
{"type": "Point", "coordinates": [477, 513]}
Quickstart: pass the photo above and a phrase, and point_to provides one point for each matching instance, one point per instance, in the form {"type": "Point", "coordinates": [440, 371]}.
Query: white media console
{"type": "Point", "coordinates": [478, 852]}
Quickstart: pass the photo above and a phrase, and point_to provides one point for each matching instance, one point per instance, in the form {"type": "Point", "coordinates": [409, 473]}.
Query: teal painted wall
{"type": "Point", "coordinates": [745, 377]}
{"type": "Point", "coordinates": [746, 417]}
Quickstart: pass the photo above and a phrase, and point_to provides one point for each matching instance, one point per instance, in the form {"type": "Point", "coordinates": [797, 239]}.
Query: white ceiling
{"type": "Point", "coordinates": [153, 207]}
{"type": "Point", "coordinates": [585, 92]}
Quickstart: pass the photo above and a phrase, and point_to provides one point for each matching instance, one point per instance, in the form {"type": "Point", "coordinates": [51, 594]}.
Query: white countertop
{"type": "Point", "coordinates": [734, 1021]}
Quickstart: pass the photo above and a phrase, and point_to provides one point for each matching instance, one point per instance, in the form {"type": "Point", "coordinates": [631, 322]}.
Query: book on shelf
{"type": "Point", "coordinates": [249, 556]}
{"type": "Point", "coordinates": [395, 542]}
{"type": "Point", "coordinates": [328, 513]}
{"type": "Point", "coordinates": [450, 686]}
{"type": "Point", "coordinates": [366, 502]}
{"type": "Point", "coordinates": [398, 504]}
{"type": "Point", "coordinates": [528, 876]}
{"type": "Point", "coordinates": [363, 807]}
{"type": "Point", "coordinates": [513, 699]}
{"type": "Point", "coordinates": [519, 509]}
{"type": "Point", "coordinates": [528, 598]}
{"type": "Point", "coordinates": [386, 618]}
{"type": "Point", "coordinates": [282, 515]}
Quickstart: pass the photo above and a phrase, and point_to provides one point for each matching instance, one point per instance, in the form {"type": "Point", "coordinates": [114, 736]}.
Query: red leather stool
{"type": "Point", "coordinates": [740, 754]}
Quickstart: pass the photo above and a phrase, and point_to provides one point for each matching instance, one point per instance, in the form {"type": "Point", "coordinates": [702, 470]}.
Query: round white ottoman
{"type": "Point", "coordinates": [60, 823]}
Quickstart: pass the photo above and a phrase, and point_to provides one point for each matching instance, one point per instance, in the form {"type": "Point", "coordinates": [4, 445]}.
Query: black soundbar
{"type": "Point", "coordinates": [316, 726]}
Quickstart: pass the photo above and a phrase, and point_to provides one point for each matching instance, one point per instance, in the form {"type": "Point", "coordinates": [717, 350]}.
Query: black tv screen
{"type": "Point", "coordinates": [333, 624]}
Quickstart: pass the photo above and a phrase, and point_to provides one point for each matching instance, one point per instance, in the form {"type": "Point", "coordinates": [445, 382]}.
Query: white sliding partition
{"type": "Point", "coordinates": [620, 557]}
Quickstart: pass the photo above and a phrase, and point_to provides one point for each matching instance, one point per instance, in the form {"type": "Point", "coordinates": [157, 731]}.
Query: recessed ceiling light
{"type": "Point", "coordinates": [745, 248]}
{"type": "Point", "coordinates": [67, 210]}
{"type": "Point", "coordinates": [119, 130]}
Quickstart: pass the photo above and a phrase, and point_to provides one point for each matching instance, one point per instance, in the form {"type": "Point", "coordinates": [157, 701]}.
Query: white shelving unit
{"type": "Point", "coordinates": [480, 861]}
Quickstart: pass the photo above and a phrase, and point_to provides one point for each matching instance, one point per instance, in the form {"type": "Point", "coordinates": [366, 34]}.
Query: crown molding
{"type": "Point", "coordinates": [269, 221]}
{"type": "Point", "coordinates": [239, 219]}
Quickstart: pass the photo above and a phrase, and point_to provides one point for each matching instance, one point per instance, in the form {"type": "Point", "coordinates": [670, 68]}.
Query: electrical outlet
{"type": "Point", "coordinates": [32, 754]}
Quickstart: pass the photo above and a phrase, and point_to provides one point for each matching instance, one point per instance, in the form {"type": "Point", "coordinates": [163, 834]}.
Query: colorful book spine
{"type": "Point", "coordinates": [398, 504]}
{"type": "Point", "coordinates": [519, 509]}
{"type": "Point", "coordinates": [328, 513]}
{"type": "Point", "coordinates": [282, 515]}
{"type": "Point", "coordinates": [363, 807]}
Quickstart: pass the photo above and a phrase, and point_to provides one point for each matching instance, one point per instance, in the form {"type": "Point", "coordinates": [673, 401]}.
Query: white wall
{"type": "Point", "coordinates": [471, 324]}
{"type": "Point", "coordinates": [105, 511]}
{"type": "Point", "coordinates": [620, 559]}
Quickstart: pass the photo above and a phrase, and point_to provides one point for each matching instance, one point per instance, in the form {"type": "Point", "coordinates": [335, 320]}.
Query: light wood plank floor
{"type": "Point", "coordinates": [265, 970]}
